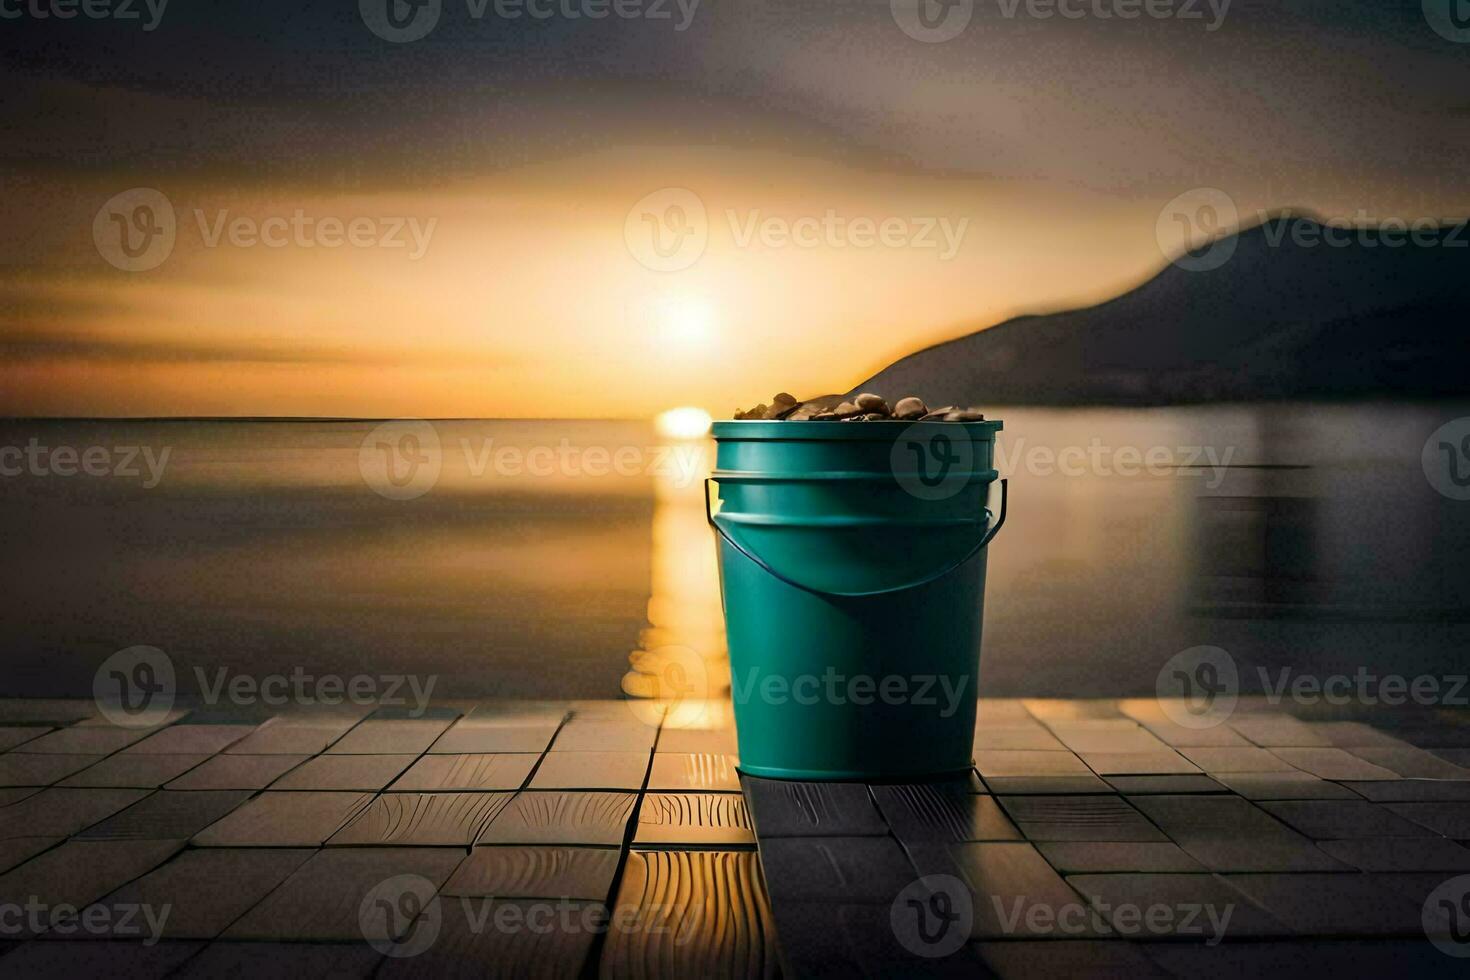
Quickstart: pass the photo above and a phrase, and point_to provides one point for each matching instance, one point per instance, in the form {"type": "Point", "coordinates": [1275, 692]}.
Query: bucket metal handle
{"type": "Point", "coordinates": [985, 540]}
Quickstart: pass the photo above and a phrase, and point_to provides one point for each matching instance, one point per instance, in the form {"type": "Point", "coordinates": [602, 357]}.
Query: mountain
{"type": "Point", "coordinates": [1286, 316]}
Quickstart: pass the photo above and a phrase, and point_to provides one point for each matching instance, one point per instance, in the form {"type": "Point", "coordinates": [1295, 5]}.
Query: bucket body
{"type": "Point", "coordinates": [852, 572]}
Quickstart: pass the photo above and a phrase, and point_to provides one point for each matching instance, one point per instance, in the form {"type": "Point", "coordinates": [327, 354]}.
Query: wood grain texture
{"type": "Point", "coordinates": [168, 815]}
{"type": "Point", "coordinates": [482, 771]}
{"type": "Point", "coordinates": [1079, 818]}
{"type": "Point", "coordinates": [536, 872]}
{"type": "Point", "coordinates": [791, 809]}
{"type": "Point", "coordinates": [284, 820]}
{"type": "Point", "coordinates": [423, 818]}
{"type": "Point", "coordinates": [563, 818]}
{"type": "Point", "coordinates": [691, 914]}
{"type": "Point", "coordinates": [693, 819]}
{"type": "Point", "coordinates": [928, 812]}
{"type": "Point", "coordinates": [535, 941]}
{"type": "Point", "coordinates": [693, 771]}
{"type": "Point", "coordinates": [322, 900]}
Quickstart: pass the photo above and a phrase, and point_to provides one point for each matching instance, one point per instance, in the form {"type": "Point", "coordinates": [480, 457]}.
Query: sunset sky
{"type": "Point", "coordinates": [828, 192]}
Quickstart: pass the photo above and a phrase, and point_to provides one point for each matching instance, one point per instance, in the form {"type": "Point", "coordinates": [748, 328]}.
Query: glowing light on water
{"type": "Point", "coordinates": [683, 423]}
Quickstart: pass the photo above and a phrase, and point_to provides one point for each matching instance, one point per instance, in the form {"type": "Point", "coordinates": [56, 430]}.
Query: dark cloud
{"type": "Point", "coordinates": [278, 91]}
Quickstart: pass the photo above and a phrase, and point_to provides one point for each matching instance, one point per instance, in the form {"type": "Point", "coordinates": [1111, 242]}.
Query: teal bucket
{"type": "Point", "coordinates": [852, 570]}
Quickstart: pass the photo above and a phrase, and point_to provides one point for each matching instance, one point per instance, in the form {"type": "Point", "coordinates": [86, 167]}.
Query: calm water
{"type": "Point", "coordinates": [546, 555]}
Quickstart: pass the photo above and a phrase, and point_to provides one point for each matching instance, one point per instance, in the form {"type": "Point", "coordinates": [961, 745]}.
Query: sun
{"type": "Point", "coordinates": [683, 423]}
{"type": "Point", "coordinates": [684, 323]}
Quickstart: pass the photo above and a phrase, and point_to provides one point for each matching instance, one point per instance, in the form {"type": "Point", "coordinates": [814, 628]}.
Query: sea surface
{"type": "Point", "coordinates": [568, 558]}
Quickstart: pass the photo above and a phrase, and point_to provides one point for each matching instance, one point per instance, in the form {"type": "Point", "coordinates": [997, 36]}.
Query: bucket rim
{"type": "Point", "coordinates": [745, 477]}
{"type": "Point", "coordinates": [781, 430]}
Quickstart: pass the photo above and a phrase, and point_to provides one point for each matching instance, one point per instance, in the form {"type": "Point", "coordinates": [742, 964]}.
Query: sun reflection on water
{"type": "Point", "coordinates": [681, 657]}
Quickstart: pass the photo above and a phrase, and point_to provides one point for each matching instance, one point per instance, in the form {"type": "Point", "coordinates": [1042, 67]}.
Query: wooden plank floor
{"type": "Point", "coordinates": [1094, 838]}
